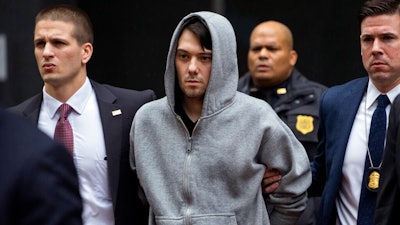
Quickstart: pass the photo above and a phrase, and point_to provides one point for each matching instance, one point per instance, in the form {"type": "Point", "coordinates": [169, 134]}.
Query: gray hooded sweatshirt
{"type": "Point", "coordinates": [214, 176]}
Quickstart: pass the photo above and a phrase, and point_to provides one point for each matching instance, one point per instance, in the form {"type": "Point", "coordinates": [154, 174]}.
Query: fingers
{"type": "Point", "coordinates": [270, 188]}
{"type": "Point", "coordinates": [272, 173]}
{"type": "Point", "coordinates": [271, 180]}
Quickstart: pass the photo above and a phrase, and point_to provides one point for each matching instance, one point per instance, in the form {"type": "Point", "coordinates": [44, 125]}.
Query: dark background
{"type": "Point", "coordinates": [132, 39]}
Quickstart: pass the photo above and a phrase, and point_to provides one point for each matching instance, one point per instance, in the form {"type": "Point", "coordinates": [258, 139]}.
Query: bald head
{"type": "Point", "coordinates": [271, 57]}
{"type": "Point", "coordinates": [274, 28]}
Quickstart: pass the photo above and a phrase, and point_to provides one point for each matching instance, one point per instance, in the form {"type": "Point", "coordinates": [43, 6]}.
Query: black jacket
{"type": "Point", "coordinates": [388, 197]}
{"type": "Point", "coordinates": [38, 180]}
{"type": "Point", "coordinates": [298, 108]}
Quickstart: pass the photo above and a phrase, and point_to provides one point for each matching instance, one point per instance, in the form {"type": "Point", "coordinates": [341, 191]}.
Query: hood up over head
{"type": "Point", "coordinates": [224, 70]}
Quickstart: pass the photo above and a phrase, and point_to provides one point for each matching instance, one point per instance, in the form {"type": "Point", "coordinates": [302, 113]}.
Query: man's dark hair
{"type": "Point", "coordinates": [378, 7]}
{"type": "Point", "coordinates": [196, 26]}
{"type": "Point", "coordinates": [83, 28]}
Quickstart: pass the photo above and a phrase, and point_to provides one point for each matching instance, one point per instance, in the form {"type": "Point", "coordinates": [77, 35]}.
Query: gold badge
{"type": "Point", "coordinates": [281, 91]}
{"type": "Point", "coordinates": [305, 124]}
{"type": "Point", "coordinates": [373, 179]}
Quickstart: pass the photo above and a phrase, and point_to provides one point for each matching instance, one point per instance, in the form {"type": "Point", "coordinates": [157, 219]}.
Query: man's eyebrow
{"type": "Point", "coordinates": [380, 34]}
{"type": "Point", "coordinates": [181, 50]}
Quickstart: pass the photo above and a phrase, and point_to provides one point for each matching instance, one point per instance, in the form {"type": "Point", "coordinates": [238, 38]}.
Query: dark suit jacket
{"type": "Point", "coordinates": [389, 193]}
{"type": "Point", "coordinates": [338, 109]}
{"type": "Point", "coordinates": [128, 209]}
{"type": "Point", "coordinates": [38, 180]}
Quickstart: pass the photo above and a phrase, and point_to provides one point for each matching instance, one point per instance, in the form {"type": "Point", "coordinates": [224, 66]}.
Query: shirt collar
{"type": "Point", "coordinates": [373, 93]}
{"type": "Point", "coordinates": [77, 101]}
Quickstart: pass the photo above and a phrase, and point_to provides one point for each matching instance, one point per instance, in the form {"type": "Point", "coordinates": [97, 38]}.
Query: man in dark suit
{"type": "Point", "coordinates": [346, 114]}
{"type": "Point", "coordinates": [39, 183]}
{"type": "Point", "coordinates": [100, 119]}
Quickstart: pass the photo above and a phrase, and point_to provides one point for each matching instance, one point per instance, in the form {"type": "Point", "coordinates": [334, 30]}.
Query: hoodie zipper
{"type": "Point", "coordinates": [187, 216]}
{"type": "Point", "coordinates": [186, 181]}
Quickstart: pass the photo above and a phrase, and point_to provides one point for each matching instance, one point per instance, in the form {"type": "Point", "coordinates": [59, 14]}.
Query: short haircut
{"type": "Point", "coordinates": [83, 28]}
{"type": "Point", "coordinates": [378, 7]}
{"type": "Point", "coordinates": [196, 26]}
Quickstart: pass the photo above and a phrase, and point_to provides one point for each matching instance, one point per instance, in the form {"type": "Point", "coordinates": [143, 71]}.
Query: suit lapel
{"type": "Point", "coordinates": [345, 118]}
{"type": "Point", "coordinates": [352, 102]}
{"type": "Point", "coordinates": [32, 110]}
{"type": "Point", "coordinates": [111, 119]}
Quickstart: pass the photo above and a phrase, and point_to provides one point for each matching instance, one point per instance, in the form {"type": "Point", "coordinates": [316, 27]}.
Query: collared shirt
{"type": "Point", "coordinates": [89, 151]}
{"type": "Point", "coordinates": [354, 160]}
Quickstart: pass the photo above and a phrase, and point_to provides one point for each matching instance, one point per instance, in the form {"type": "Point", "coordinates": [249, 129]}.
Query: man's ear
{"type": "Point", "coordinates": [87, 51]}
{"type": "Point", "coordinates": [293, 57]}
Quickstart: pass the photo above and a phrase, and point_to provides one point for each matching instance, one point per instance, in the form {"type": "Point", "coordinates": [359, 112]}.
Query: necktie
{"type": "Point", "coordinates": [63, 132]}
{"type": "Point", "coordinates": [376, 142]}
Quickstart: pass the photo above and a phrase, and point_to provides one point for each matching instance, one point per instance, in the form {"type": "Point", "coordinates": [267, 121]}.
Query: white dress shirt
{"type": "Point", "coordinates": [356, 151]}
{"type": "Point", "coordinates": [89, 151]}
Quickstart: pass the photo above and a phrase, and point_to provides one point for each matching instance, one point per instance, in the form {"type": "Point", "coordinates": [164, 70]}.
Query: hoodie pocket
{"type": "Point", "coordinates": [203, 219]}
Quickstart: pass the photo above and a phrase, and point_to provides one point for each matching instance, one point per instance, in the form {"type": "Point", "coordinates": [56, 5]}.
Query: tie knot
{"type": "Point", "coordinates": [65, 110]}
{"type": "Point", "coordinates": [383, 101]}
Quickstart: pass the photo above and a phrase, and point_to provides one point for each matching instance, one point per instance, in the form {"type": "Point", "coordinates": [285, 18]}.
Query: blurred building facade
{"type": "Point", "coordinates": [132, 39]}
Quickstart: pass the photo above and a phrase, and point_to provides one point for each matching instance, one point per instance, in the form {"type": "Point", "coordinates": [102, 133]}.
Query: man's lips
{"type": "Point", "coordinates": [48, 66]}
{"type": "Point", "coordinates": [192, 82]}
{"type": "Point", "coordinates": [263, 67]}
{"type": "Point", "coordinates": [377, 64]}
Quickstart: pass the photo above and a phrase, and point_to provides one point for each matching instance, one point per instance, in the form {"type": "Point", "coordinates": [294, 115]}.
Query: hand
{"type": "Point", "coordinates": [270, 180]}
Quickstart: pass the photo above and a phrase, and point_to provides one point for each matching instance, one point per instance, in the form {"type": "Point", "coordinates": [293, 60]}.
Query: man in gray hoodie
{"type": "Point", "coordinates": [188, 148]}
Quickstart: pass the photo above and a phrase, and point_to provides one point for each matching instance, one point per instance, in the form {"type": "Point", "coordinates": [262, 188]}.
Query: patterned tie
{"type": "Point", "coordinates": [376, 142]}
{"type": "Point", "coordinates": [63, 132]}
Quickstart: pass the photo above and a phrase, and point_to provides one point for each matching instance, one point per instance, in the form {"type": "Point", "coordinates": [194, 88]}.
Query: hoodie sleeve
{"type": "Point", "coordinates": [281, 150]}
